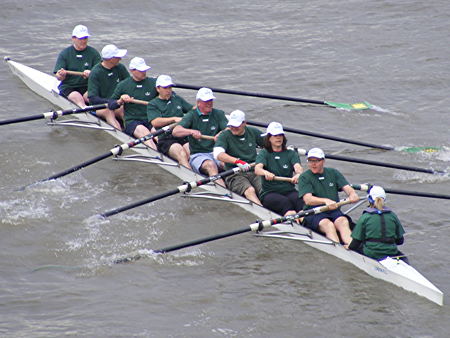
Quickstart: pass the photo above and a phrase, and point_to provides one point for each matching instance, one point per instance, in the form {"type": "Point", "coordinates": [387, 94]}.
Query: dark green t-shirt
{"type": "Point", "coordinates": [325, 185]}
{"type": "Point", "coordinates": [210, 124]}
{"type": "Point", "coordinates": [102, 81]}
{"type": "Point", "coordinates": [79, 61]}
{"type": "Point", "coordinates": [140, 90]}
{"type": "Point", "coordinates": [281, 164]}
{"type": "Point", "coordinates": [176, 106]}
{"type": "Point", "coordinates": [242, 147]}
{"type": "Point", "coordinates": [369, 226]}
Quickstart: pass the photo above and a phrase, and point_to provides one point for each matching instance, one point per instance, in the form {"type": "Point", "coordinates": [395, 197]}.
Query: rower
{"type": "Point", "coordinates": [139, 87]}
{"type": "Point", "coordinates": [204, 120]}
{"type": "Point", "coordinates": [103, 80]}
{"type": "Point", "coordinates": [78, 57]}
{"type": "Point", "coordinates": [378, 231]}
{"type": "Point", "coordinates": [166, 109]}
{"type": "Point", "coordinates": [320, 186]}
{"type": "Point", "coordinates": [275, 160]}
{"type": "Point", "coordinates": [236, 147]}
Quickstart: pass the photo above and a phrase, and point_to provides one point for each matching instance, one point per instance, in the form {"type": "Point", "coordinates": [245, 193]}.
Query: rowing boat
{"type": "Point", "coordinates": [391, 270]}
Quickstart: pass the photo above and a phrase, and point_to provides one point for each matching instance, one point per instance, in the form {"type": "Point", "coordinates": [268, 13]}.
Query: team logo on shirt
{"type": "Point", "coordinates": [110, 74]}
{"type": "Point", "coordinates": [147, 93]}
{"type": "Point", "coordinates": [139, 86]}
{"type": "Point", "coordinates": [213, 127]}
{"type": "Point", "coordinates": [178, 107]}
{"type": "Point", "coordinates": [285, 166]}
{"type": "Point", "coordinates": [277, 157]}
{"type": "Point", "coordinates": [86, 64]}
{"type": "Point", "coordinates": [331, 184]}
{"type": "Point", "coordinates": [79, 56]}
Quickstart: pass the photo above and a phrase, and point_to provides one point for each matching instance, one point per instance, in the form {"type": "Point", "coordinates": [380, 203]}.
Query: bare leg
{"type": "Point", "coordinates": [110, 117]}
{"type": "Point", "coordinates": [142, 131]}
{"type": "Point", "coordinates": [344, 229]}
{"type": "Point", "coordinates": [177, 151]}
{"type": "Point", "coordinates": [211, 169]}
{"type": "Point", "coordinates": [250, 194]}
{"type": "Point", "coordinates": [77, 98]}
{"type": "Point", "coordinates": [327, 227]}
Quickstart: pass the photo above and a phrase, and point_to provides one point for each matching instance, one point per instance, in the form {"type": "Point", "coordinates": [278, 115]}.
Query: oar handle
{"type": "Point", "coordinates": [139, 102]}
{"type": "Point", "coordinates": [72, 72]}
{"type": "Point", "coordinates": [283, 179]}
{"type": "Point", "coordinates": [207, 137]}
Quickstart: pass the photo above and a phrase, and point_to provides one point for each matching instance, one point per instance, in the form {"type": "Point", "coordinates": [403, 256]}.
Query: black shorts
{"type": "Point", "coordinates": [165, 143]}
{"type": "Point", "coordinates": [132, 125]}
{"type": "Point", "coordinates": [66, 92]}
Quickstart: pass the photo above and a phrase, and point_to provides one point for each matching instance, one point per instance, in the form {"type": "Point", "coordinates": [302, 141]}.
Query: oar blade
{"type": "Point", "coordinates": [421, 149]}
{"type": "Point", "coordinates": [350, 106]}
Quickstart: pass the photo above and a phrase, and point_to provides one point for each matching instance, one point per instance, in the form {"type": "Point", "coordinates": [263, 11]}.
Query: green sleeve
{"type": "Point", "coordinates": [341, 181]}
{"type": "Point", "coordinates": [153, 111]}
{"type": "Point", "coordinates": [187, 119]}
{"type": "Point", "coordinates": [185, 105]}
{"type": "Point", "coordinates": [222, 140]}
{"type": "Point", "coordinates": [223, 121]}
{"type": "Point", "coordinates": [118, 91]}
{"type": "Point", "coordinates": [261, 157]}
{"type": "Point", "coordinates": [294, 157]}
{"type": "Point", "coordinates": [304, 185]}
{"type": "Point", "coordinates": [123, 72]}
{"type": "Point", "coordinates": [94, 84]}
{"type": "Point", "coordinates": [60, 61]}
{"type": "Point", "coordinates": [358, 230]}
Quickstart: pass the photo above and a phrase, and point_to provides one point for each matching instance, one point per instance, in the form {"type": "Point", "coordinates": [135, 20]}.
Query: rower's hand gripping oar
{"type": "Point", "coordinates": [337, 105]}
{"type": "Point", "coordinates": [53, 115]}
{"type": "Point", "coordinates": [117, 150]}
{"type": "Point", "coordinates": [303, 152]}
{"type": "Point", "coordinates": [257, 226]}
{"type": "Point", "coordinates": [366, 187]}
{"type": "Point", "coordinates": [185, 187]}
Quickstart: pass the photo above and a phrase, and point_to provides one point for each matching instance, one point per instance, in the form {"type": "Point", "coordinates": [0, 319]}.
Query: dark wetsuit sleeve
{"type": "Point", "coordinates": [400, 241]}
{"type": "Point", "coordinates": [355, 245]}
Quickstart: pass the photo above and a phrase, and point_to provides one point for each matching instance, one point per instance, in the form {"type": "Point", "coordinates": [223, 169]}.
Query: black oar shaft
{"type": "Point", "coordinates": [265, 96]}
{"type": "Point", "coordinates": [383, 164]}
{"type": "Point", "coordinates": [203, 240]}
{"type": "Point", "coordinates": [365, 187]}
{"type": "Point", "coordinates": [139, 203]}
{"type": "Point", "coordinates": [328, 137]}
{"type": "Point", "coordinates": [53, 114]}
{"type": "Point", "coordinates": [182, 188]}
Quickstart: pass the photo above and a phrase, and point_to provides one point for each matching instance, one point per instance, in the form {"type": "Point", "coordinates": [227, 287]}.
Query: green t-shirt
{"type": "Point", "coordinates": [281, 164]}
{"type": "Point", "coordinates": [79, 61]}
{"type": "Point", "coordinates": [140, 90]}
{"type": "Point", "coordinates": [210, 124]}
{"type": "Point", "coordinates": [325, 185]}
{"type": "Point", "coordinates": [242, 147]}
{"type": "Point", "coordinates": [176, 106]}
{"type": "Point", "coordinates": [102, 81]}
{"type": "Point", "coordinates": [369, 226]}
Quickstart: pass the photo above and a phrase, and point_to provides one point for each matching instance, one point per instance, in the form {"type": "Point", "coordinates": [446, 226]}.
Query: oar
{"type": "Point", "coordinates": [377, 163]}
{"type": "Point", "coordinates": [117, 150]}
{"type": "Point", "coordinates": [328, 137]}
{"type": "Point", "coordinates": [347, 106]}
{"type": "Point", "coordinates": [186, 187]}
{"type": "Point", "coordinates": [366, 187]}
{"type": "Point", "coordinates": [257, 226]}
{"type": "Point", "coordinates": [54, 114]}
{"type": "Point", "coordinates": [72, 72]}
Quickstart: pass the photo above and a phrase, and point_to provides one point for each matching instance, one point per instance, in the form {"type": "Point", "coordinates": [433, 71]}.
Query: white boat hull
{"type": "Point", "coordinates": [389, 270]}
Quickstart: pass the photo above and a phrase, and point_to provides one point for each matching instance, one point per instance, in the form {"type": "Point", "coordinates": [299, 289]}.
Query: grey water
{"type": "Point", "coordinates": [55, 260]}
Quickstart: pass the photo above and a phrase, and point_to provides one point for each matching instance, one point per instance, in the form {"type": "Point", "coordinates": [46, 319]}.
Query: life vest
{"type": "Point", "coordinates": [383, 238]}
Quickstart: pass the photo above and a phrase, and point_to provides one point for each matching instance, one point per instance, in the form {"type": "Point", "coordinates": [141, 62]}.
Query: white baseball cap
{"type": "Point", "coordinates": [274, 128]}
{"type": "Point", "coordinates": [139, 64]}
{"type": "Point", "coordinates": [111, 51]}
{"type": "Point", "coordinates": [316, 153]}
{"type": "Point", "coordinates": [80, 32]}
{"type": "Point", "coordinates": [205, 94]}
{"type": "Point", "coordinates": [376, 191]}
{"type": "Point", "coordinates": [237, 117]}
{"type": "Point", "coordinates": [164, 81]}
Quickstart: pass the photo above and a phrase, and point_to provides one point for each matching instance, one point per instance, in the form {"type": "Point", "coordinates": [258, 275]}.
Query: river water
{"type": "Point", "coordinates": [393, 54]}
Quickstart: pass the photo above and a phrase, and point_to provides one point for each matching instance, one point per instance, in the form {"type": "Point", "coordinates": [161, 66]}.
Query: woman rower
{"type": "Point", "coordinates": [276, 160]}
{"type": "Point", "coordinates": [378, 231]}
